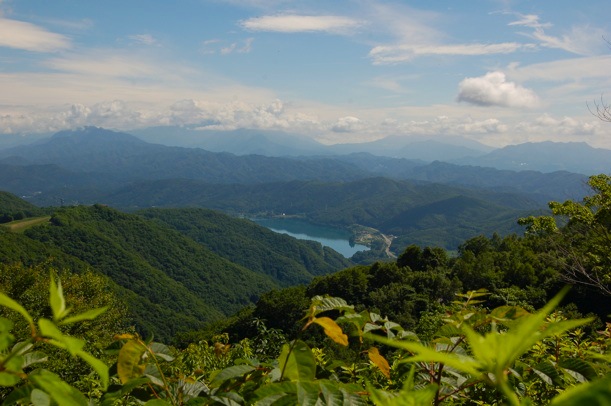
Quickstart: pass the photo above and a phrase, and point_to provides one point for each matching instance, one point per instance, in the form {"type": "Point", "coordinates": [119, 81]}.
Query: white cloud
{"type": "Point", "coordinates": [109, 63]}
{"type": "Point", "coordinates": [30, 37]}
{"type": "Point", "coordinates": [143, 39]}
{"type": "Point", "coordinates": [240, 48]}
{"type": "Point", "coordinates": [493, 89]}
{"type": "Point", "coordinates": [580, 40]}
{"type": "Point", "coordinates": [547, 124]}
{"type": "Point", "coordinates": [302, 23]}
{"type": "Point", "coordinates": [390, 54]}
{"type": "Point", "coordinates": [347, 124]}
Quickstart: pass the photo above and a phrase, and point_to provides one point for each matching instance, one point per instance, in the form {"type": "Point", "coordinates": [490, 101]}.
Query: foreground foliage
{"type": "Point", "coordinates": [506, 355]}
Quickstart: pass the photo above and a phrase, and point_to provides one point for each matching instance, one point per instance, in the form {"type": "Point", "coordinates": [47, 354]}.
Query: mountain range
{"type": "Point", "coordinates": [417, 201]}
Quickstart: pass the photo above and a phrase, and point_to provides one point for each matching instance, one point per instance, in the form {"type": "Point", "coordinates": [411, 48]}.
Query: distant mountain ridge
{"type": "Point", "coordinates": [546, 157]}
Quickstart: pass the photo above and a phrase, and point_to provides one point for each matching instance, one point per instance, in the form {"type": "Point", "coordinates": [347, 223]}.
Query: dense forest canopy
{"type": "Point", "coordinates": [147, 269]}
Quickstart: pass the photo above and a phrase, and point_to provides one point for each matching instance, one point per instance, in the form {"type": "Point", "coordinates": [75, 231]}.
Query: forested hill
{"type": "Point", "coordinates": [171, 283]}
{"type": "Point", "coordinates": [287, 260]}
{"type": "Point", "coordinates": [422, 213]}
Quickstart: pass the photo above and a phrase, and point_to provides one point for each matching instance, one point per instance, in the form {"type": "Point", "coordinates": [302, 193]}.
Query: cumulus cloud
{"type": "Point", "coordinates": [347, 124]}
{"type": "Point", "coordinates": [547, 124]}
{"type": "Point", "coordinates": [30, 37]}
{"type": "Point", "coordinates": [302, 23]}
{"type": "Point", "coordinates": [493, 89]}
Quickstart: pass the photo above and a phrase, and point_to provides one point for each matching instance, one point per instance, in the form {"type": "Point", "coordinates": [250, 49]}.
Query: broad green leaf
{"type": "Point", "coordinates": [423, 353]}
{"type": "Point", "coordinates": [422, 397]}
{"type": "Point", "coordinates": [34, 357]}
{"type": "Point", "coordinates": [234, 371]}
{"type": "Point", "coordinates": [40, 398]}
{"type": "Point", "coordinates": [332, 330]}
{"type": "Point", "coordinates": [56, 299]}
{"type": "Point", "coordinates": [579, 369]}
{"type": "Point", "coordinates": [307, 393]}
{"type": "Point", "coordinates": [508, 312]}
{"type": "Point", "coordinates": [157, 402]}
{"type": "Point", "coordinates": [379, 361]}
{"type": "Point", "coordinates": [595, 393]}
{"type": "Point", "coordinates": [547, 372]}
{"type": "Point", "coordinates": [268, 394]}
{"type": "Point", "coordinates": [11, 304]}
{"type": "Point", "coordinates": [98, 366]}
{"type": "Point", "coordinates": [62, 393]}
{"type": "Point", "coordinates": [325, 303]}
{"type": "Point", "coordinates": [128, 363]}
{"type": "Point", "coordinates": [297, 362]}
{"type": "Point", "coordinates": [88, 315]}
{"type": "Point", "coordinates": [8, 379]}
{"type": "Point", "coordinates": [162, 351]}
{"type": "Point", "coordinates": [49, 329]}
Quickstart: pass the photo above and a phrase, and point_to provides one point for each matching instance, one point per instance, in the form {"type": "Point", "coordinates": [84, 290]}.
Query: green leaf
{"type": "Point", "coordinates": [40, 398]}
{"type": "Point", "coordinates": [270, 394]}
{"type": "Point", "coordinates": [11, 304]}
{"type": "Point", "coordinates": [33, 358]}
{"type": "Point", "coordinates": [8, 379]}
{"type": "Point", "coordinates": [547, 372]}
{"type": "Point", "coordinates": [578, 369]}
{"type": "Point", "coordinates": [56, 299]}
{"type": "Point", "coordinates": [297, 362]}
{"type": "Point", "coordinates": [62, 393]}
{"type": "Point", "coordinates": [162, 351]}
{"type": "Point", "coordinates": [307, 393]}
{"type": "Point", "coordinates": [423, 397]}
{"type": "Point", "coordinates": [98, 366]}
{"type": "Point", "coordinates": [156, 402]}
{"type": "Point", "coordinates": [128, 363]}
{"type": "Point", "coordinates": [325, 303]}
{"type": "Point", "coordinates": [234, 371]}
{"type": "Point", "coordinates": [423, 353]}
{"type": "Point", "coordinates": [49, 329]}
{"type": "Point", "coordinates": [596, 393]}
{"type": "Point", "coordinates": [88, 315]}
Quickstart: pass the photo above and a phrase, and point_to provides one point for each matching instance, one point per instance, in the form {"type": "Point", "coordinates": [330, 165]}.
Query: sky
{"type": "Point", "coordinates": [497, 72]}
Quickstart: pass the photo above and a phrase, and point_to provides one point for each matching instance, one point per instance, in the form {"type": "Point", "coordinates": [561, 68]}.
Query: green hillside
{"type": "Point", "coordinates": [177, 269]}
{"type": "Point", "coordinates": [384, 204]}
{"type": "Point", "coordinates": [14, 208]}
{"type": "Point", "coordinates": [286, 260]}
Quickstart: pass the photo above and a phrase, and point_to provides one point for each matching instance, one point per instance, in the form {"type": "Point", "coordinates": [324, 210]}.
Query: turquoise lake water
{"type": "Point", "coordinates": [334, 238]}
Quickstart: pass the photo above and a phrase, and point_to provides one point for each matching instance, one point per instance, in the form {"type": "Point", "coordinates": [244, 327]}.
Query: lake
{"type": "Point", "coordinates": [334, 238]}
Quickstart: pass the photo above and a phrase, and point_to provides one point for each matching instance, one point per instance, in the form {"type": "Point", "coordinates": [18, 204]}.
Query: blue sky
{"type": "Point", "coordinates": [498, 72]}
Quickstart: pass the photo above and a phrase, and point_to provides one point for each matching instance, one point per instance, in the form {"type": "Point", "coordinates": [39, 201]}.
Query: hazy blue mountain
{"type": "Point", "coordinates": [417, 147]}
{"type": "Point", "coordinates": [53, 185]}
{"type": "Point", "coordinates": [546, 157]}
{"type": "Point", "coordinates": [125, 156]}
{"type": "Point", "coordinates": [278, 143]}
{"type": "Point", "coordinates": [238, 142]}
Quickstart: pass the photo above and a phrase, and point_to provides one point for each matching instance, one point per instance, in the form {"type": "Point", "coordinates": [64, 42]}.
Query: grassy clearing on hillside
{"type": "Point", "coordinates": [19, 226]}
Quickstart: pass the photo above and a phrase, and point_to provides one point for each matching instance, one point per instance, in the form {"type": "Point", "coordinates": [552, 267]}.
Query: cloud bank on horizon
{"type": "Point", "coordinates": [498, 72]}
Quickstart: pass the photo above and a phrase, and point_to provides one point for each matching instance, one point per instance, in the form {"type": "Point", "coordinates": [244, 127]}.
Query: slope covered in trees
{"type": "Point", "coordinates": [170, 281]}
{"type": "Point", "coordinates": [287, 260]}
{"type": "Point", "coordinates": [406, 209]}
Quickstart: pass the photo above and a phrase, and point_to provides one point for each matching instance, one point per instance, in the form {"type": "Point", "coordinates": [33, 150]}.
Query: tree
{"type": "Point", "coordinates": [585, 241]}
